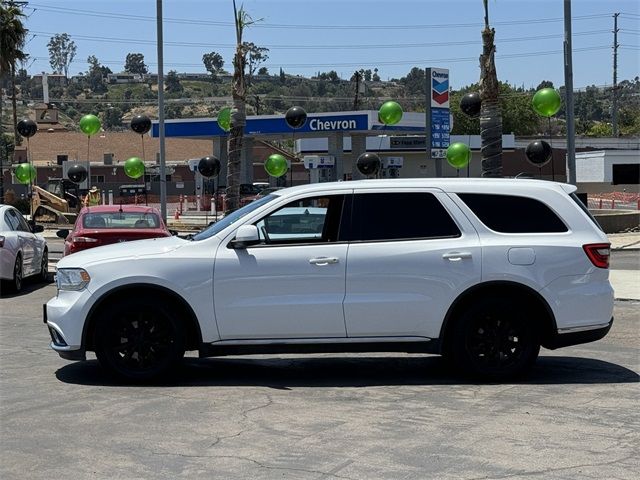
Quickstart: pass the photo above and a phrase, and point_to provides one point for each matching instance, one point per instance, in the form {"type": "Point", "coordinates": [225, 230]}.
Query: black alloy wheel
{"type": "Point", "coordinates": [44, 266]}
{"type": "Point", "coordinates": [17, 274]}
{"type": "Point", "coordinates": [495, 340]}
{"type": "Point", "coordinates": [139, 341]}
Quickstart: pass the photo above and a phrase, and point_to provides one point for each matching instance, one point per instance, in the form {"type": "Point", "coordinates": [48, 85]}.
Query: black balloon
{"type": "Point", "coordinates": [470, 104]}
{"type": "Point", "coordinates": [538, 153]}
{"type": "Point", "coordinates": [77, 173]}
{"type": "Point", "coordinates": [368, 163]}
{"type": "Point", "coordinates": [296, 117]}
{"type": "Point", "coordinates": [141, 124]}
{"type": "Point", "coordinates": [27, 127]}
{"type": "Point", "coordinates": [209, 166]}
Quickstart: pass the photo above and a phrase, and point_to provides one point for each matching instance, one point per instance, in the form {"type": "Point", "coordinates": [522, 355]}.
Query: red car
{"type": "Point", "coordinates": [106, 224]}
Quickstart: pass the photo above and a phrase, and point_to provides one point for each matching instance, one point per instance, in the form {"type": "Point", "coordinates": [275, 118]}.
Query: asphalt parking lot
{"type": "Point", "coordinates": [319, 417]}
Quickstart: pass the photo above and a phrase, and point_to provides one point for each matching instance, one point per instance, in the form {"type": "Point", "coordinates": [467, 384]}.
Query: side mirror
{"type": "Point", "coordinates": [64, 233]}
{"type": "Point", "coordinates": [37, 228]}
{"type": "Point", "coordinates": [173, 232]}
{"type": "Point", "coordinates": [246, 236]}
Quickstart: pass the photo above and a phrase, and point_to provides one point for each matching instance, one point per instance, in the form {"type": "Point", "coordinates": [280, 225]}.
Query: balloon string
{"type": "Point", "coordinates": [384, 126]}
{"type": "Point", "coordinates": [88, 164]}
{"type": "Point", "coordinates": [553, 171]}
{"type": "Point", "coordinates": [470, 155]}
{"type": "Point", "coordinates": [29, 160]}
{"type": "Point", "coordinates": [143, 158]}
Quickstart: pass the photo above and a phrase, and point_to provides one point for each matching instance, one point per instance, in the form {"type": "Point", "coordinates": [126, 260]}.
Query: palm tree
{"type": "Point", "coordinates": [12, 41]}
{"type": "Point", "coordinates": [490, 115]}
{"type": "Point", "coordinates": [238, 112]}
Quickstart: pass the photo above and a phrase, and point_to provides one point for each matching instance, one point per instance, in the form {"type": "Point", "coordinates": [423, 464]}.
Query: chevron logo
{"type": "Point", "coordinates": [440, 98]}
{"type": "Point", "coordinates": [440, 87]}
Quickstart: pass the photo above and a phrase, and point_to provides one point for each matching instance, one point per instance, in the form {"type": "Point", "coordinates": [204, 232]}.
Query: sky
{"type": "Point", "coordinates": [308, 36]}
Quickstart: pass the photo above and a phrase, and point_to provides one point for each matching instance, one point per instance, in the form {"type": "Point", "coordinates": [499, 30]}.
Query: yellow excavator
{"type": "Point", "coordinates": [59, 202]}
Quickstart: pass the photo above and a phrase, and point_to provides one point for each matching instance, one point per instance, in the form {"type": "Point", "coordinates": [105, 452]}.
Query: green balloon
{"type": "Point", "coordinates": [224, 119]}
{"type": "Point", "coordinates": [546, 102]}
{"type": "Point", "coordinates": [390, 113]}
{"type": "Point", "coordinates": [25, 173]}
{"type": "Point", "coordinates": [134, 167]}
{"type": "Point", "coordinates": [90, 125]}
{"type": "Point", "coordinates": [458, 155]}
{"type": "Point", "coordinates": [276, 165]}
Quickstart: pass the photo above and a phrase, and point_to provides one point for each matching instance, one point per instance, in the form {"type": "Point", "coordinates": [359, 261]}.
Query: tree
{"type": "Point", "coordinates": [414, 82]}
{"type": "Point", "coordinates": [112, 117]}
{"type": "Point", "coordinates": [490, 114]}
{"type": "Point", "coordinates": [375, 77]}
{"type": "Point", "coordinates": [263, 71]}
{"type": "Point", "coordinates": [239, 112]}
{"type": "Point", "coordinates": [254, 56]}
{"type": "Point", "coordinates": [62, 51]}
{"type": "Point", "coordinates": [12, 38]}
{"type": "Point", "coordinates": [172, 82]}
{"type": "Point", "coordinates": [96, 74]}
{"type": "Point", "coordinates": [544, 84]}
{"type": "Point", "coordinates": [213, 63]}
{"type": "Point", "coordinates": [283, 77]}
{"type": "Point", "coordinates": [134, 63]}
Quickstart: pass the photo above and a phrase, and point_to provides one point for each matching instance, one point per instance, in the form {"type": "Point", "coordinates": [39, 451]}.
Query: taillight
{"type": "Point", "coordinates": [598, 253]}
{"type": "Point", "coordinates": [83, 240]}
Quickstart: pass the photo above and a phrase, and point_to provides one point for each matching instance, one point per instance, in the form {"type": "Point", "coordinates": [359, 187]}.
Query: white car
{"type": "Point", "coordinates": [483, 271]}
{"type": "Point", "coordinates": [22, 252]}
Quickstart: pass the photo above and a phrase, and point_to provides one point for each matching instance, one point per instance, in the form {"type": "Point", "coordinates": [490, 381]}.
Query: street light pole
{"type": "Point", "coordinates": [568, 85]}
{"type": "Point", "coordinates": [163, 177]}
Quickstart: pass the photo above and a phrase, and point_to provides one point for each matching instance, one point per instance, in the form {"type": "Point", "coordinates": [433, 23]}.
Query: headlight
{"type": "Point", "coordinates": [72, 278]}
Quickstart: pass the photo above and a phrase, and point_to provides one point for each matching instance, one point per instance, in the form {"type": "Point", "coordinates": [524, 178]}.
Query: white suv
{"type": "Point", "coordinates": [483, 271]}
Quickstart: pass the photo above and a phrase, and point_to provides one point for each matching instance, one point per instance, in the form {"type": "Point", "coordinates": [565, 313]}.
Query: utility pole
{"type": "Point", "coordinates": [614, 106]}
{"type": "Point", "coordinates": [163, 176]}
{"type": "Point", "coordinates": [568, 85]}
{"type": "Point", "coordinates": [355, 100]}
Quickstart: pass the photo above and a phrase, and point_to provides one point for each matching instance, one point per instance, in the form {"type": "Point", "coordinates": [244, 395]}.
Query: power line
{"type": "Point", "coordinates": [318, 47]}
{"type": "Point", "coordinates": [119, 16]}
{"type": "Point", "coordinates": [377, 63]}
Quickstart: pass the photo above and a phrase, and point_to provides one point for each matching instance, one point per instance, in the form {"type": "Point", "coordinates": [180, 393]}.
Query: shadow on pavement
{"type": "Point", "coordinates": [360, 371]}
{"type": "Point", "coordinates": [29, 284]}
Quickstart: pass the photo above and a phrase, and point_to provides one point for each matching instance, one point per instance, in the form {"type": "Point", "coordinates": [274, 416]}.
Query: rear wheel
{"type": "Point", "coordinates": [16, 283]}
{"type": "Point", "coordinates": [494, 339]}
{"type": "Point", "coordinates": [44, 266]}
{"type": "Point", "coordinates": [139, 340]}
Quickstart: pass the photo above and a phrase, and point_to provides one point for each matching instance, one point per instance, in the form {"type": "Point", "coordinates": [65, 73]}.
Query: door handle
{"type": "Point", "coordinates": [323, 260]}
{"type": "Point", "coordinates": [456, 256]}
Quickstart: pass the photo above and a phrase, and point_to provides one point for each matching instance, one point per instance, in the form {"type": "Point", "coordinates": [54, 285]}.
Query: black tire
{"type": "Point", "coordinates": [139, 340]}
{"type": "Point", "coordinates": [495, 340]}
{"type": "Point", "coordinates": [44, 266]}
{"type": "Point", "coordinates": [17, 281]}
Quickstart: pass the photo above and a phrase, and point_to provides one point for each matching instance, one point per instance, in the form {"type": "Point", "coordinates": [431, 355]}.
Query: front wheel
{"type": "Point", "coordinates": [495, 340]}
{"type": "Point", "coordinates": [44, 266]}
{"type": "Point", "coordinates": [16, 283]}
{"type": "Point", "coordinates": [139, 340]}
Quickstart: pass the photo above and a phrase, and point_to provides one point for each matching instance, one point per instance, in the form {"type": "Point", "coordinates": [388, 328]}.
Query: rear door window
{"type": "Point", "coordinates": [400, 216]}
{"type": "Point", "coordinates": [513, 214]}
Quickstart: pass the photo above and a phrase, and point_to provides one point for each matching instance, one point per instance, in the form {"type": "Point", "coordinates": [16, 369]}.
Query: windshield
{"type": "Point", "coordinates": [120, 220]}
{"type": "Point", "coordinates": [232, 218]}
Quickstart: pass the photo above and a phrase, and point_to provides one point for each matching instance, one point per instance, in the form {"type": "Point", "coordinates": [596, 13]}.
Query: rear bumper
{"type": "Point", "coordinates": [578, 335]}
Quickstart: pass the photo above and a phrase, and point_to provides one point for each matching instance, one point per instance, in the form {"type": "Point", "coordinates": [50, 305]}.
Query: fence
{"type": "Point", "coordinates": [614, 200]}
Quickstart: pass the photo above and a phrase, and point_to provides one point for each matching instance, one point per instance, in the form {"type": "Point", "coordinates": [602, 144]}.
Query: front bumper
{"type": "Point", "coordinates": [577, 336]}
{"type": "Point", "coordinates": [64, 316]}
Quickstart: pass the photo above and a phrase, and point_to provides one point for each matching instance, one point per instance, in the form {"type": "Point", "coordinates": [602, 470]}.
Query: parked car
{"type": "Point", "coordinates": [107, 224]}
{"type": "Point", "coordinates": [482, 271]}
{"type": "Point", "coordinates": [23, 253]}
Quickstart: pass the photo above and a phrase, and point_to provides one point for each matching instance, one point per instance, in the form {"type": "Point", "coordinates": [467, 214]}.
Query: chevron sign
{"type": "Point", "coordinates": [440, 87]}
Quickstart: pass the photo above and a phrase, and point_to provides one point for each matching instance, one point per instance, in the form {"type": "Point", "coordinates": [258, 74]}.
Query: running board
{"type": "Point", "coordinates": [219, 349]}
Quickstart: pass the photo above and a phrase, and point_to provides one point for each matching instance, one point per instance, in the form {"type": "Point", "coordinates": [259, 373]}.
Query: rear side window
{"type": "Point", "coordinates": [400, 216]}
{"type": "Point", "coordinates": [584, 208]}
{"type": "Point", "coordinates": [512, 214]}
